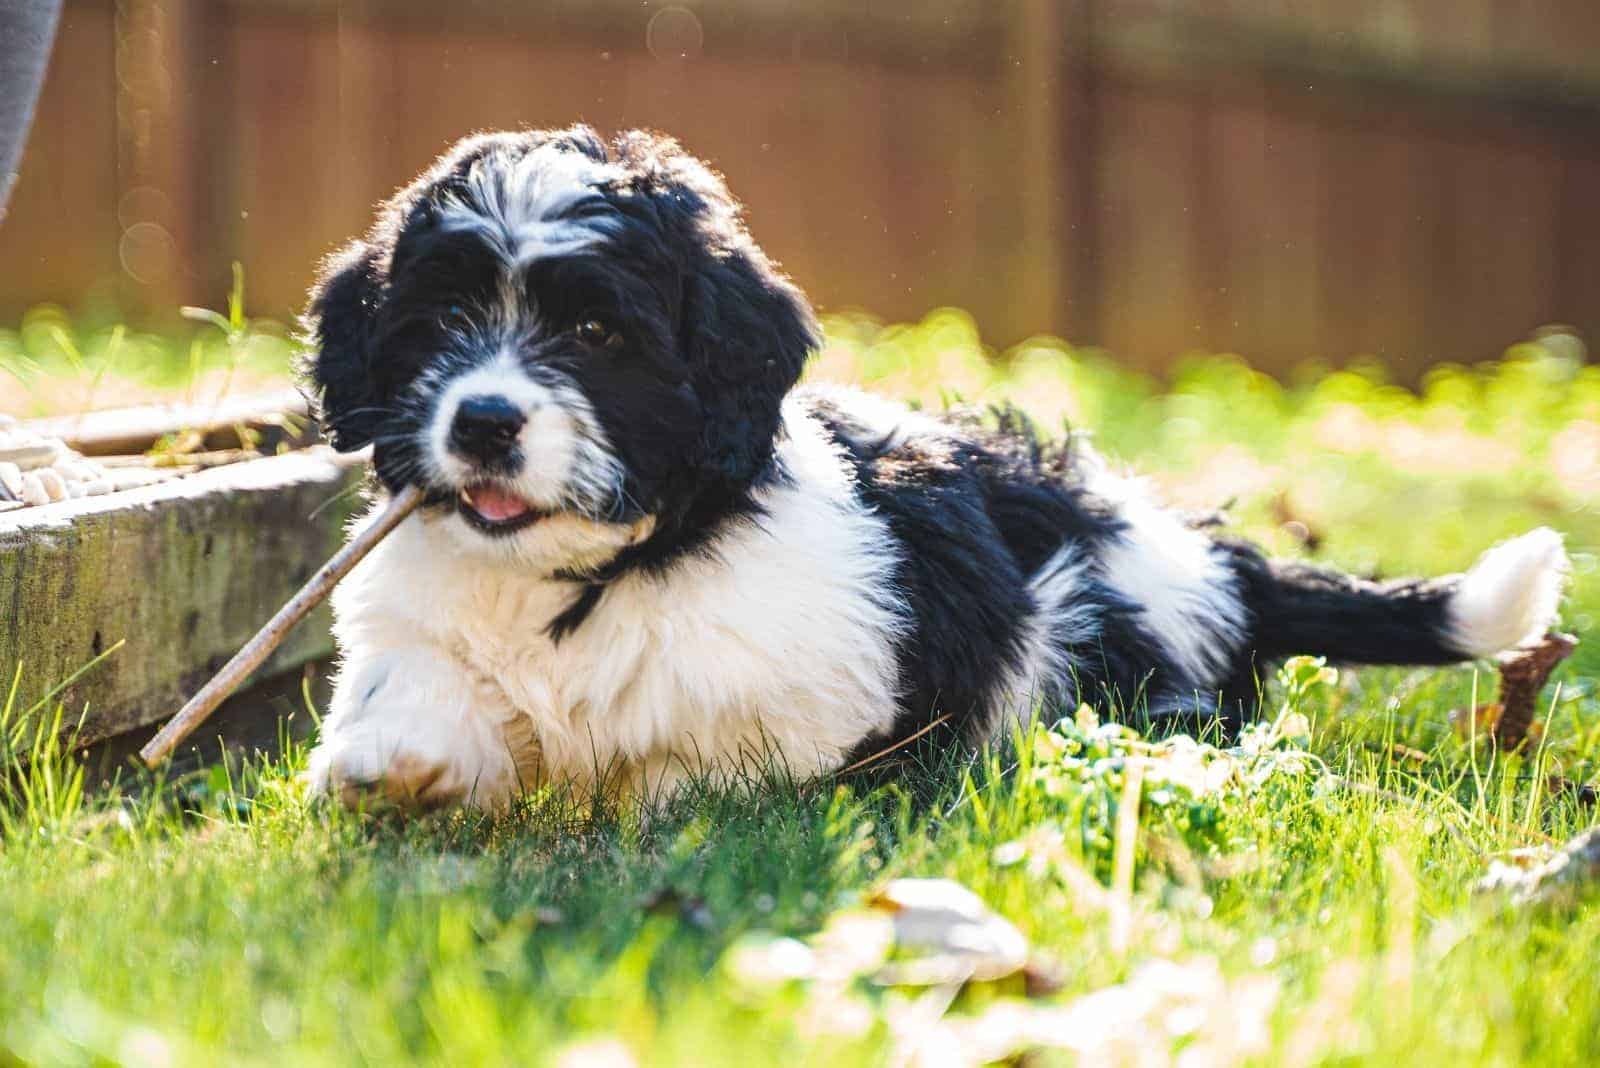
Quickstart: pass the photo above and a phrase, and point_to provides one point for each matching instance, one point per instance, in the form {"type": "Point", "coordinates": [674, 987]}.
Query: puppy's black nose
{"type": "Point", "coordinates": [485, 427]}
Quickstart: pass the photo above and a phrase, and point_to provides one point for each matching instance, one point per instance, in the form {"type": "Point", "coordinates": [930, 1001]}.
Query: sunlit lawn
{"type": "Point", "coordinates": [225, 919]}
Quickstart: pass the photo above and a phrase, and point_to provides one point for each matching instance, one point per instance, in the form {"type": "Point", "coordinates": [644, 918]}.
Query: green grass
{"type": "Point", "coordinates": [225, 918]}
{"type": "Point", "coordinates": [50, 365]}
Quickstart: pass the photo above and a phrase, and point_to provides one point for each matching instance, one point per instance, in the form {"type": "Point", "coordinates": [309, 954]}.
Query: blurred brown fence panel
{"type": "Point", "coordinates": [1413, 179]}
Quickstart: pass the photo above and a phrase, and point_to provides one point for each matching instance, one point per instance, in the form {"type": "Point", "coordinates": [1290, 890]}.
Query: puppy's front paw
{"type": "Point", "coordinates": [407, 727]}
{"type": "Point", "coordinates": [363, 773]}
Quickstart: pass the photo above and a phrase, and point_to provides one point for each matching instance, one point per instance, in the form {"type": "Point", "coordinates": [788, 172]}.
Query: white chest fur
{"type": "Point", "coordinates": [777, 643]}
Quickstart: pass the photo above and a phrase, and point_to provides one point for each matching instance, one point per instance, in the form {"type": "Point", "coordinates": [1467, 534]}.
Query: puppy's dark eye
{"type": "Point", "coordinates": [595, 332]}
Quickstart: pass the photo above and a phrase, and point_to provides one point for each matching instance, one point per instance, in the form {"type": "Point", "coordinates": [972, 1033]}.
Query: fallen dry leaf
{"type": "Point", "coordinates": [1522, 675]}
{"type": "Point", "coordinates": [1512, 721]}
{"type": "Point", "coordinates": [913, 932]}
{"type": "Point", "coordinates": [951, 933]}
{"type": "Point", "coordinates": [1166, 1013]}
{"type": "Point", "coordinates": [1539, 877]}
{"type": "Point", "coordinates": [1479, 722]}
{"type": "Point", "coordinates": [1586, 792]}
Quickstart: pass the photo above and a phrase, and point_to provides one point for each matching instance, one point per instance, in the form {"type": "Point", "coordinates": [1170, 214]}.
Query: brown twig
{"type": "Point", "coordinates": [901, 744]}
{"type": "Point", "coordinates": [269, 637]}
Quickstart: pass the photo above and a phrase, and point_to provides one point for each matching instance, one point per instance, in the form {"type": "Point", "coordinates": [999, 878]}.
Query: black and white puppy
{"type": "Point", "coordinates": [647, 554]}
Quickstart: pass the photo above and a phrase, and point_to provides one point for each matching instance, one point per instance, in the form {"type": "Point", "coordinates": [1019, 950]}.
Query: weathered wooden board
{"type": "Point", "coordinates": [184, 572]}
{"type": "Point", "coordinates": [125, 431]}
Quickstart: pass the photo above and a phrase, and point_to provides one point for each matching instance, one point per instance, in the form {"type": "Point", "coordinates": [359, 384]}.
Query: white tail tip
{"type": "Point", "coordinates": [1510, 597]}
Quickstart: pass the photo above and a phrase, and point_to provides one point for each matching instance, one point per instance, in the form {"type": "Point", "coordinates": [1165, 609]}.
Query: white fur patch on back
{"type": "Point", "coordinates": [1062, 617]}
{"type": "Point", "coordinates": [1189, 596]}
{"type": "Point", "coordinates": [1510, 596]}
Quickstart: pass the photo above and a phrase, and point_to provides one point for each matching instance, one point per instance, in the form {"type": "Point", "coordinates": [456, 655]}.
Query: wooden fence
{"type": "Point", "coordinates": [1414, 179]}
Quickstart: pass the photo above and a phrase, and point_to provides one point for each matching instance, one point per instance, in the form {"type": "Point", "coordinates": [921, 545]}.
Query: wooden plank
{"type": "Point", "coordinates": [285, 108]}
{"type": "Point", "coordinates": [1240, 182]}
{"type": "Point", "coordinates": [123, 431]}
{"type": "Point", "coordinates": [60, 234]}
{"type": "Point", "coordinates": [1503, 196]}
{"type": "Point", "coordinates": [1037, 135]}
{"type": "Point", "coordinates": [154, 141]}
{"type": "Point", "coordinates": [1151, 312]}
{"type": "Point", "coordinates": [183, 572]}
{"type": "Point", "coordinates": [1577, 265]}
{"type": "Point", "coordinates": [1289, 290]}
{"type": "Point", "coordinates": [1378, 204]}
{"type": "Point", "coordinates": [945, 34]}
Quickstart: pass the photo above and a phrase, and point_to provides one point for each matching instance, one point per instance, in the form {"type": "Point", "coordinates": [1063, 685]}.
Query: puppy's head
{"type": "Point", "coordinates": [573, 346]}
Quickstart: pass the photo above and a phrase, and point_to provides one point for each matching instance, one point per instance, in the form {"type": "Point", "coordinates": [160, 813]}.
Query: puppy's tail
{"type": "Point", "coordinates": [1508, 599]}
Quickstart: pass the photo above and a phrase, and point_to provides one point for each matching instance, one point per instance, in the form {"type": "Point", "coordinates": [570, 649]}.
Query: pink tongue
{"type": "Point", "coordinates": [497, 505]}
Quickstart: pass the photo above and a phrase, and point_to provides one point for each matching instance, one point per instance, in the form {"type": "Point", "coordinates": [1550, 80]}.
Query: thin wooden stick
{"type": "Point", "coordinates": [901, 744]}
{"type": "Point", "coordinates": [269, 637]}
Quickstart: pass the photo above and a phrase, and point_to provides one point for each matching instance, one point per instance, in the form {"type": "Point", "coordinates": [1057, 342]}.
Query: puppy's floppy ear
{"type": "Point", "coordinates": [747, 333]}
{"type": "Point", "coordinates": [339, 327]}
{"type": "Point", "coordinates": [746, 330]}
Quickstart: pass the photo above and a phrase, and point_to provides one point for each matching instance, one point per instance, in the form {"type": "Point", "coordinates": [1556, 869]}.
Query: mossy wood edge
{"type": "Point", "coordinates": [183, 572]}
